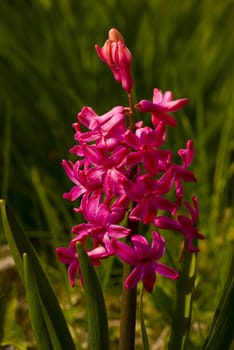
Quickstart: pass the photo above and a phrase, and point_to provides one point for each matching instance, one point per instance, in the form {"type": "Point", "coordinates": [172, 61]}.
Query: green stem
{"type": "Point", "coordinates": [128, 305]}
{"type": "Point", "coordinates": [128, 315]}
{"type": "Point", "coordinates": [183, 305]}
{"type": "Point", "coordinates": [132, 112]}
{"type": "Point", "coordinates": [129, 297]}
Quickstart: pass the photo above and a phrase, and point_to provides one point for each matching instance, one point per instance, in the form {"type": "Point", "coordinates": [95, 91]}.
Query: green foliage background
{"type": "Point", "coordinates": [49, 69]}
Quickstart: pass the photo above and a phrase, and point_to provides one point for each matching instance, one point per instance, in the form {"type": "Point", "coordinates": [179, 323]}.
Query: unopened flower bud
{"type": "Point", "coordinates": [118, 57]}
{"type": "Point", "coordinates": [115, 35]}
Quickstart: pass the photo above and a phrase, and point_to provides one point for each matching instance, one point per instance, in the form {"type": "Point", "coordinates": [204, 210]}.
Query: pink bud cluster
{"type": "Point", "coordinates": [123, 173]}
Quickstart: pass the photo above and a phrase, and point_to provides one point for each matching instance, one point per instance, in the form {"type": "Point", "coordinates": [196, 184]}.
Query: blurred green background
{"type": "Point", "coordinates": [49, 69]}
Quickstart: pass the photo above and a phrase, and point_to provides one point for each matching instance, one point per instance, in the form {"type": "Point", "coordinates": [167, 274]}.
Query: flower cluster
{"type": "Point", "coordinates": [123, 174]}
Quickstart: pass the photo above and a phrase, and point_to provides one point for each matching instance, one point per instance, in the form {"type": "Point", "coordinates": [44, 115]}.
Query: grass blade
{"type": "Point", "coordinates": [20, 244]}
{"type": "Point", "coordinates": [97, 317]}
{"type": "Point", "coordinates": [221, 331]}
{"type": "Point", "coordinates": [34, 302]}
{"type": "Point", "coordinates": [181, 320]}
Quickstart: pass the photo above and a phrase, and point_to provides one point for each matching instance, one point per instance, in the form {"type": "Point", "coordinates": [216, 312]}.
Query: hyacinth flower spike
{"type": "Point", "coordinates": [124, 175]}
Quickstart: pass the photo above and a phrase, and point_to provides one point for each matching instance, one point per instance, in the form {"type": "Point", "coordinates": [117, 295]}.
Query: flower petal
{"type": "Point", "coordinates": [125, 252]}
{"type": "Point", "coordinates": [167, 271]}
{"type": "Point", "coordinates": [149, 277]}
{"type": "Point", "coordinates": [134, 277]}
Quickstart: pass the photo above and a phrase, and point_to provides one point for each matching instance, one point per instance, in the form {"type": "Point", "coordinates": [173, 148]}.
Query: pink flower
{"type": "Point", "coordinates": [107, 129]}
{"type": "Point", "coordinates": [161, 105]}
{"type": "Point", "coordinates": [70, 257]}
{"type": "Point", "coordinates": [146, 142]}
{"type": "Point", "coordinates": [181, 171]}
{"type": "Point", "coordinates": [185, 225]}
{"type": "Point", "coordinates": [187, 154]}
{"type": "Point", "coordinates": [148, 194]}
{"type": "Point", "coordinates": [84, 180]}
{"type": "Point", "coordinates": [144, 259]}
{"type": "Point", "coordinates": [119, 59]}
{"type": "Point", "coordinates": [101, 220]}
{"type": "Point", "coordinates": [109, 167]}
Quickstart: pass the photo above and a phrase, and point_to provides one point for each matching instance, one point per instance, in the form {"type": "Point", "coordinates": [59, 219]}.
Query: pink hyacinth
{"type": "Point", "coordinates": [144, 260]}
{"type": "Point", "coordinates": [109, 168]}
{"type": "Point", "coordinates": [187, 154]}
{"type": "Point", "coordinates": [148, 194]}
{"type": "Point", "coordinates": [70, 257]}
{"type": "Point", "coordinates": [161, 105]}
{"type": "Point", "coordinates": [85, 181]}
{"type": "Point", "coordinates": [124, 174]}
{"type": "Point", "coordinates": [146, 142]}
{"type": "Point", "coordinates": [118, 57]}
{"type": "Point", "coordinates": [181, 171]}
{"type": "Point", "coordinates": [184, 224]}
{"type": "Point", "coordinates": [101, 219]}
{"type": "Point", "coordinates": [107, 129]}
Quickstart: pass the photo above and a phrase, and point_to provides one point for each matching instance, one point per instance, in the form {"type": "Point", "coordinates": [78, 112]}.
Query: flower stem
{"type": "Point", "coordinates": [132, 112]}
{"type": "Point", "coordinates": [128, 315]}
{"type": "Point", "coordinates": [129, 297]}
{"type": "Point", "coordinates": [128, 305]}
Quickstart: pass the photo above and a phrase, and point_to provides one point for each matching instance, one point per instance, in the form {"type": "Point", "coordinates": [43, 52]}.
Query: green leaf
{"type": "Point", "coordinates": [34, 302]}
{"type": "Point", "coordinates": [97, 317]}
{"type": "Point", "coordinates": [163, 303]}
{"type": "Point", "coordinates": [20, 244]}
{"type": "Point", "coordinates": [39, 316]}
{"type": "Point", "coordinates": [181, 319]}
{"type": "Point", "coordinates": [221, 331]}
